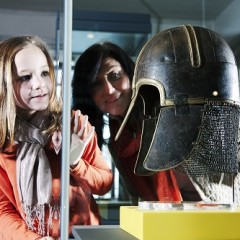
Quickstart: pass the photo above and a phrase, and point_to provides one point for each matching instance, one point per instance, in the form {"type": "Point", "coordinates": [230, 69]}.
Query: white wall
{"type": "Point", "coordinates": [228, 22]}
{"type": "Point", "coordinates": [14, 22]}
{"type": "Point", "coordinates": [26, 22]}
{"type": "Point", "coordinates": [169, 23]}
{"type": "Point", "coordinates": [228, 25]}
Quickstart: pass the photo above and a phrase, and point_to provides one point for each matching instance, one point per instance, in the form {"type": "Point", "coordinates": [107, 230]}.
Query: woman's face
{"type": "Point", "coordinates": [32, 83]}
{"type": "Point", "coordinates": [112, 90]}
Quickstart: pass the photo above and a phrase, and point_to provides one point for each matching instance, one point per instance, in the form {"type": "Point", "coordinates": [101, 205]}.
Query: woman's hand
{"type": "Point", "coordinates": [79, 139]}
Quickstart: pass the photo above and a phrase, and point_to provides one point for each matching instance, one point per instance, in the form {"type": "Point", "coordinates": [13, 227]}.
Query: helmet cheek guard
{"type": "Point", "coordinates": [187, 78]}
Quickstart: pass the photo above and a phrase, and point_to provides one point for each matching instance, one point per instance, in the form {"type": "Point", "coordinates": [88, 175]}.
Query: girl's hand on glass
{"type": "Point", "coordinates": [79, 139]}
{"type": "Point", "coordinates": [47, 238]}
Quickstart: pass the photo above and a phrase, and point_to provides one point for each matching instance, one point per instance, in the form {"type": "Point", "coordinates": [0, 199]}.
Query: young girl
{"type": "Point", "coordinates": [30, 149]}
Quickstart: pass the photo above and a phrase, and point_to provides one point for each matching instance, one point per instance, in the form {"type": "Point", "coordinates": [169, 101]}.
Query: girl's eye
{"type": "Point", "coordinates": [45, 73]}
{"type": "Point", "coordinates": [25, 78]}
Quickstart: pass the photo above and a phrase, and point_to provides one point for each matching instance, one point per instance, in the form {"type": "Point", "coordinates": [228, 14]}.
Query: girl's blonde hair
{"type": "Point", "coordinates": [8, 50]}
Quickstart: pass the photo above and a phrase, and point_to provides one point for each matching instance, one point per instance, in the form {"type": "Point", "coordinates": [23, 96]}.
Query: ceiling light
{"type": "Point", "coordinates": [90, 35]}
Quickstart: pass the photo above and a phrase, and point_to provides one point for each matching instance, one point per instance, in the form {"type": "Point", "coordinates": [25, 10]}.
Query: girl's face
{"type": "Point", "coordinates": [32, 83]}
{"type": "Point", "coordinates": [112, 91]}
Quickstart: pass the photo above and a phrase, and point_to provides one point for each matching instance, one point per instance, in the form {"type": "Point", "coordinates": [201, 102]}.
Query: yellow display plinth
{"type": "Point", "coordinates": [181, 224]}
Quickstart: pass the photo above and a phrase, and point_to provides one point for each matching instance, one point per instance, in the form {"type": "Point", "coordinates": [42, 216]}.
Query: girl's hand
{"type": "Point", "coordinates": [47, 238]}
{"type": "Point", "coordinates": [79, 139]}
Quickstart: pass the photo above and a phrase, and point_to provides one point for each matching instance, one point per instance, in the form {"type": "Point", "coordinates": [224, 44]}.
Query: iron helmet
{"type": "Point", "coordinates": [187, 78]}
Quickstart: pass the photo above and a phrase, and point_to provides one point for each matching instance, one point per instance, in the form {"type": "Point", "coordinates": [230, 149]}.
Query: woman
{"type": "Point", "coordinates": [102, 79]}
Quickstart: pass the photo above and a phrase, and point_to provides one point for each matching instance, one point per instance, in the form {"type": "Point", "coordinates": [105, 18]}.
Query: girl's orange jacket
{"type": "Point", "coordinates": [90, 176]}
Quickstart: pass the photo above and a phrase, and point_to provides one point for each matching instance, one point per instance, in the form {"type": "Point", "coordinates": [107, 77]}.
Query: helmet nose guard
{"type": "Point", "coordinates": [178, 73]}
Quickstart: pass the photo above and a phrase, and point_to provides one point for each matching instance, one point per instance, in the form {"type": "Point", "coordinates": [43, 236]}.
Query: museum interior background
{"type": "Point", "coordinates": [128, 23]}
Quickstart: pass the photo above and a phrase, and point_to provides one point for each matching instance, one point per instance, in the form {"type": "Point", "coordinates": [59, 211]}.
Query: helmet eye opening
{"type": "Point", "coordinates": [151, 101]}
